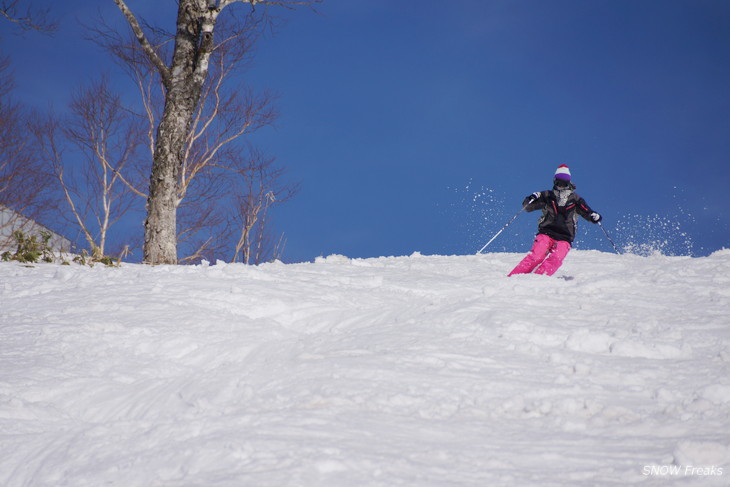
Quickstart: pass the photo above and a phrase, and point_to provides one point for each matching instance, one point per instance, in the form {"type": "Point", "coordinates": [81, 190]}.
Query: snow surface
{"type": "Point", "coordinates": [399, 371]}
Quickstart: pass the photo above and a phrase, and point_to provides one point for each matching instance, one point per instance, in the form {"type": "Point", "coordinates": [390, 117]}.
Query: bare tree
{"type": "Point", "coordinates": [183, 77]}
{"type": "Point", "coordinates": [207, 180]}
{"type": "Point", "coordinates": [258, 189]}
{"type": "Point", "coordinates": [213, 159]}
{"type": "Point", "coordinates": [103, 139]}
{"type": "Point", "coordinates": [212, 156]}
{"type": "Point", "coordinates": [24, 183]}
{"type": "Point", "coordinates": [26, 17]}
{"type": "Point", "coordinates": [24, 198]}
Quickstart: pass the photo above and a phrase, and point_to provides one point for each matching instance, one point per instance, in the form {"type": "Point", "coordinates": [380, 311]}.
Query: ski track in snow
{"type": "Point", "coordinates": [418, 371]}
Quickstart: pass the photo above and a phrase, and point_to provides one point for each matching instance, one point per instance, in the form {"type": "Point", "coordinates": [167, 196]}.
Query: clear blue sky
{"type": "Point", "coordinates": [421, 125]}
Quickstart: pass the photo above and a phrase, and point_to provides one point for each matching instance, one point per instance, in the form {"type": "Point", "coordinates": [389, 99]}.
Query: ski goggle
{"type": "Point", "coordinates": [561, 183]}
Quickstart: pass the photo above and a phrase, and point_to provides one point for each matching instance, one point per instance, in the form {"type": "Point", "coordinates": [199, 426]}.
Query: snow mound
{"type": "Point", "coordinates": [418, 370]}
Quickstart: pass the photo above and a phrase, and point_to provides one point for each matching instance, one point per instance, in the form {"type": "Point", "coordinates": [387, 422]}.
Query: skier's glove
{"type": "Point", "coordinates": [596, 217]}
{"type": "Point", "coordinates": [530, 199]}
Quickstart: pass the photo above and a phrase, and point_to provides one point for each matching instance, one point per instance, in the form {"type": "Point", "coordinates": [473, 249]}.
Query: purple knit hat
{"type": "Point", "coordinates": [563, 173]}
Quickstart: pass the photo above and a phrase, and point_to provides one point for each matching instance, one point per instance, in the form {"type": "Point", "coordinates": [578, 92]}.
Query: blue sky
{"type": "Point", "coordinates": [421, 125]}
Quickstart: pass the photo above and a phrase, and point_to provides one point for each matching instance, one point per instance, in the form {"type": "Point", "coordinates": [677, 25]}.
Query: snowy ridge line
{"type": "Point", "coordinates": [417, 370]}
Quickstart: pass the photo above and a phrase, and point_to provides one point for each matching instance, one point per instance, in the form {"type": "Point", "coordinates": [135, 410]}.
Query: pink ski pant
{"type": "Point", "coordinates": [547, 253]}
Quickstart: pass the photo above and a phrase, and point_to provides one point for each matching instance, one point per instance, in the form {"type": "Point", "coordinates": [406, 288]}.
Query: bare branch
{"type": "Point", "coordinates": [290, 4]}
{"type": "Point", "coordinates": [142, 39]}
{"type": "Point", "coordinates": [46, 131]}
{"type": "Point", "coordinates": [31, 19]}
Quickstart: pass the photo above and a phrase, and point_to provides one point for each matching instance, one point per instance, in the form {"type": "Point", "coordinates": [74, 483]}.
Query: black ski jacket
{"type": "Point", "coordinates": [559, 221]}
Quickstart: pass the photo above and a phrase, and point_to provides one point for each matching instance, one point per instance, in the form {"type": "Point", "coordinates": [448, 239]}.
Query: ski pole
{"type": "Point", "coordinates": [502, 230]}
{"type": "Point", "coordinates": [609, 238]}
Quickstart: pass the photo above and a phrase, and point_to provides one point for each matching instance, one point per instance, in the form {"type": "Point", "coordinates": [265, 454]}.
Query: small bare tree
{"type": "Point", "coordinates": [258, 189]}
{"type": "Point", "coordinates": [24, 182]}
{"type": "Point", "coordinates": [89, 154]}
{"type": "Point", "coordinates": [213, 160]}
{"type": "Point", "coordinates": [183, 77]}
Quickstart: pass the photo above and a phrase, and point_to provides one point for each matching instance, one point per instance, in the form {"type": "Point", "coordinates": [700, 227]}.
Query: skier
{"type": "Point", "coordinates": [557, 226]}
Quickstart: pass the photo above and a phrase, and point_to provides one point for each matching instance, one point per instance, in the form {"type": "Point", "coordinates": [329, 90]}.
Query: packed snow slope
{"type": "Point", "coordinates": [400, 371]}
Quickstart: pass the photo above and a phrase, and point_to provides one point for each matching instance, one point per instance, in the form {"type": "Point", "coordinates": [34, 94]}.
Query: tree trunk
{"type": "Point", "coordinates": [184, 83]}
{"type": "Point", "coordinates": [160, 228]}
